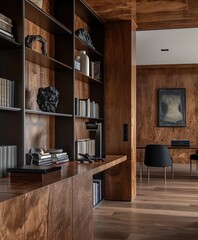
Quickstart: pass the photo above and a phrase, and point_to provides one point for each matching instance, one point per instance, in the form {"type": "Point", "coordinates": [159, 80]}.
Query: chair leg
{"type": "Point", "coordinates": [190, 167]}
{"type": "Point", "coordinates": [196, 166]}
{"type": "Point", "coordinates": [165, 174]}
{"type": "Point", "coordinates": [148, 174]}
{"type": "Point", "coordinates": [172, 172]}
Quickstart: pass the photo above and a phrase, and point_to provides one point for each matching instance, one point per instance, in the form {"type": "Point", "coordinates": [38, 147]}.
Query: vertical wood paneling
{"type": "Point", "coordinates": [133, 109]}
{"type": "Point", "coordinates": [82, 211]}
{"type": "Point", "coordinates": [39, 130]}
{"type": "Point", "coordinates": [148, 83]}
{"type": "Point", "coordinates": [36, 214]}
{"type": "Point", "coordinates": [60, 211]}
{"type": "Point", "coordinates": [12, 219]}
{"type": "Point", "coordinates": [119, 100]}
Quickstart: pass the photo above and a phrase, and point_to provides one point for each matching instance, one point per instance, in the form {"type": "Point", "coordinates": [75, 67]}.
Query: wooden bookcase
{"type": "Point", "coordinates": [26, 126]}
{"type": "Point", "coordinates": [56, 22]}
{"type": "Point", "coordinates": [87, 87]}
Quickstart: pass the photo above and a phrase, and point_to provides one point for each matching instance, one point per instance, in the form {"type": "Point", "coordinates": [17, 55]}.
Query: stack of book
{"type": "Point", "coordinates": [6, 26]}
{"type": "Point", "coordinates": [41, 159]}
{"type": "Point", "coordinates": [6, 92]}
{"type": "Point", "coordinates": [58, 156]}
{"type": "Point", "coordinates": [8, 158]}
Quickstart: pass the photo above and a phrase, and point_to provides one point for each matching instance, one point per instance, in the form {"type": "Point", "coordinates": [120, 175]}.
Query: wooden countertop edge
{"type": "Point", "coordinates": [10, 190]}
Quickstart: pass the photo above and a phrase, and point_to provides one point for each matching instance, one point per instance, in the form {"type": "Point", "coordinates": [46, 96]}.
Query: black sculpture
{"type": "Point", "coordinates": [47, 99]}
{"type": "Point", "coordinates": [32, 38]}
{"type": "Point", "coordinates": [84, 36]}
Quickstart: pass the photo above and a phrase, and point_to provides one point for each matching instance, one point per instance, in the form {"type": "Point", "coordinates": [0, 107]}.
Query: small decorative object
{"type": "Point", "coordinates": [47, 99]}
{"type": "Point", "coordinates": [77, 64]}
{"type": "Point", "coordinates": [32, 38]}
{"type": "Point", "coordinates": [84, 36]}
{"type": "Point", "coordinates": [38, 3]}
{"type": "Point", "coordinates": [84, 62]}
{"type": "Point", "coordinates": [172, 107]}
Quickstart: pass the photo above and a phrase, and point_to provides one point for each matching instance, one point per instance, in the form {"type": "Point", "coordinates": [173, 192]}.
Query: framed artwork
{"type": "Point", "coordinates": [172, 107]}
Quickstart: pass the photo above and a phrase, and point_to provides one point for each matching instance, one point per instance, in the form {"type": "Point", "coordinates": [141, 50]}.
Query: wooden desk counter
{"type": "Point", "coordinates": [60, 210]}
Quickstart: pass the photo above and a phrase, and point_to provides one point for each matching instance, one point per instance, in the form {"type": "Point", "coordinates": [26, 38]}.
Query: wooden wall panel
{"type": "Point", "coordinates": [82, 91]}
{"type": "Point", "coordinates": [36, 214]}
{"type": "Point", "coordinates": [12, 219]}
{"type": "Point", "coordinates": [119, 100]}
{"type": "Point", "coordinates": [82, 202]}
{"type": "Point", "coordinates": [40, 131]}
{"type": "Point", "coordinates": [148, 83]}
{"type": "Point", "coordinates": [60, 211]}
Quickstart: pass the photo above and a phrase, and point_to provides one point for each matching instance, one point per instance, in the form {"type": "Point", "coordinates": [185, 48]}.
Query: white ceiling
{"type": "Point", "coordinates": [182, 45]}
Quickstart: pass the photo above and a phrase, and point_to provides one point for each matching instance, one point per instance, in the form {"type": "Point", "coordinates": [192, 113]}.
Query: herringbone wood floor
{"type": "Point", "coordinates": [160, 212]}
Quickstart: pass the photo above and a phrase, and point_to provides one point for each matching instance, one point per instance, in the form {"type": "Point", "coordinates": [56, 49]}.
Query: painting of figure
{"type": "Point", "coordinates": [172, 107]}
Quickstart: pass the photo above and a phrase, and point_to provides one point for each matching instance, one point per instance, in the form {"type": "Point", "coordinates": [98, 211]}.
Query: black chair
{"type": "Point", "coordinates": [157, 155]}
{"type": "Point", "coordinates": [194, 156]}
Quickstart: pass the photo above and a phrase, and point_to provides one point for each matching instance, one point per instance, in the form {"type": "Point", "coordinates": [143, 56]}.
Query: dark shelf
{"type": "Point", "coordinates": [44, 20]}
{"type": "Point", "coordinates": [45, 61]}
{"type": "Point", "coordinates": [84, 78]}
{"type": "Point", "coordinates": [12, 109]}
{"type": "Point", "coordinates": [80, 45]}
{"type": "Point", "coordinates": [7, 42]}
{"type": "Point", "coordinates": [48, 113]}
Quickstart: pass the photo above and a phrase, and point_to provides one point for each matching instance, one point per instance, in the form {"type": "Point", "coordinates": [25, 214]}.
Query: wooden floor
{"type": "Point", "coordinates": [160, 212]}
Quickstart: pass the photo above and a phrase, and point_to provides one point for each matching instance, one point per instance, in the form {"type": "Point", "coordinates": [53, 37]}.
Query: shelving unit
{"type": "Point", "coordinates": [50, 130]}
{"type": "Point", "coordinates": [87, 87]}
{"type": "Point", "coordinates": [11, 68]}
{"type": "Point", "coordinates": [57, 24]}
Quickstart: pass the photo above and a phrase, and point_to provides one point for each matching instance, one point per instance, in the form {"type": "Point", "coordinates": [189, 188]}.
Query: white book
{"type": "Point", "coordinates": [13, 162]}
{"type": "Point", "coordinates": [7, 93]}
{"type": "Point", "coordinates": [15, 155]}
{"type": "Point", "coordinates": [6, 33]}
{"type": "Point", "coordinates": [8, 24]}
{"type": "Point", "coordinates": [3, 92]}
{"type": "Point", "coordinates": [9, 156]}
{"type": "Point", "coordinates": [12, 84]}
{"type": "Point", "coordinates": [4, 161]}
{"type": "Point", "coordinates": [6, 19]}
{"type": "Point", "coordinates": [5, 27]}
{"type": "Point", "coordinates": [88, 108]}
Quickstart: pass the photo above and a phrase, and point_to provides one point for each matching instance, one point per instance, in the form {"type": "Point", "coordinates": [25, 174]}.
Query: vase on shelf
{"type": "Point", "coordinates": [84, 62]}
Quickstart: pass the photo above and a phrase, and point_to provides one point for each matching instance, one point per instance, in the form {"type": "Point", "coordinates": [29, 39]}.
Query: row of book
{"type": "Point", "coordinates": [6, 26]}
{"type": "Point", "coordinates": [7, 92]}
{"type": "Point", "coordinates": [95, 70]}
{"type": "Point", "coordinates": [49, 158]}
{"type": "Point", "coordinates": [8, 158]}
{"type": "Point", "coordinates": [85, 146]}
{"type": "Point", "coordinates": [86, 108]}
{"type": "Point", "coordinates": [97, 191]}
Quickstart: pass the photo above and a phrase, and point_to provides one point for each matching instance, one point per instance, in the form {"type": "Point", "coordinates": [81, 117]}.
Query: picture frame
{"type": "Point", "coordinates": [172, 107]}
